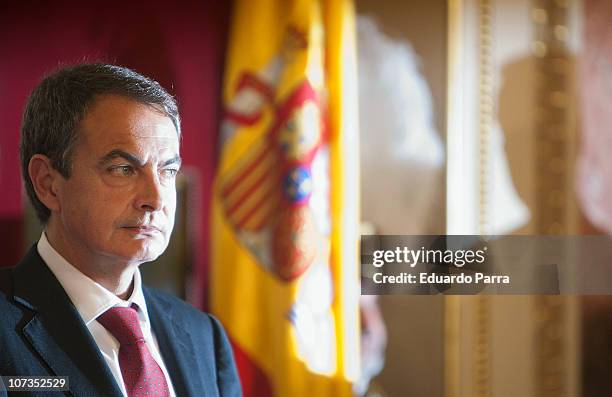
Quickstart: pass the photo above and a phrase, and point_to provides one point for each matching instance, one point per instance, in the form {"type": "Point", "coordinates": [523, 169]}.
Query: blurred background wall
{"type": "Point", "coordinates": [414, 355]}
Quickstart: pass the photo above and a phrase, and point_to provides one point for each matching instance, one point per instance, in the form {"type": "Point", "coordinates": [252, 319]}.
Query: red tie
{"type": "Point", "coordinates": [142, 375]}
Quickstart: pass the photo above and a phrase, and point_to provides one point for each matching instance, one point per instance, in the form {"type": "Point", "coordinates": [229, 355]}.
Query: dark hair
{"type": "Point", "coordinates": [58, 104]}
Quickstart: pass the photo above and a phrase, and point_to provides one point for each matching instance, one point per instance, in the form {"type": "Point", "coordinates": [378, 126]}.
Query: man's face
{"type": "Point", "coordinates": [120, 199]}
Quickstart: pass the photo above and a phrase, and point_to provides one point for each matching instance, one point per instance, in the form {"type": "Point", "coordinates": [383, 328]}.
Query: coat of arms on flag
{"type": "Point", "coordinates": [274, 201]}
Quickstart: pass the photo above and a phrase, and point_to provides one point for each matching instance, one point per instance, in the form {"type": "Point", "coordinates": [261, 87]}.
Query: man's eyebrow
{"type": "Point", "coordinates": [174, 160]}
{"type": "Point", "coordinates": [118, 153]}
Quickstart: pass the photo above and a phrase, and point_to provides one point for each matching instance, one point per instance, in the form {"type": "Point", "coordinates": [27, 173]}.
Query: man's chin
{"type": "Point", "coordinates": [145, 251]}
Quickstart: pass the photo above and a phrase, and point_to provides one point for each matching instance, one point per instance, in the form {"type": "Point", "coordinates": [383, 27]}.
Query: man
{"type": "Point", "coordinates": [100, 154]}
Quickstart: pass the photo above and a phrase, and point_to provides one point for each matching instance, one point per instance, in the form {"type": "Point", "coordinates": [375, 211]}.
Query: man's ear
{"type": "Point", "coordinates": [45, 180]}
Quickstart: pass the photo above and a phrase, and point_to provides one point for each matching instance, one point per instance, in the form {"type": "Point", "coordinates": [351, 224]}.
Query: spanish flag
{"type": "Point", "coordinates": [284, 274]}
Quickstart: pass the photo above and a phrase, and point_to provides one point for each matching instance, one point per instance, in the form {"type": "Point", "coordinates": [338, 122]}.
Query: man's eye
{"type": "Point", "coordinates": [122, 170]}
{"type": "Point", "coordinates": [169, 172]}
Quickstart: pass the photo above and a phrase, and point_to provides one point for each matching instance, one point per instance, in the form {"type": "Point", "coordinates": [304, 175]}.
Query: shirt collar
{"type": "Point", "coordinates": [90, 298]}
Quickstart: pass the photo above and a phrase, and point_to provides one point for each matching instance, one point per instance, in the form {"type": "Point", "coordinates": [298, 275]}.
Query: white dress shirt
{"type": "Point", "coordinates": [91, 300]}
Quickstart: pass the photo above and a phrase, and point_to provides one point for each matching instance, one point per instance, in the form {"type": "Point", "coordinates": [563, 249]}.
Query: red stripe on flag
{"type": "Point", "coordinates": [254, 381]}
{"type": "Point", "coordinates": [257, 205]}
{"type": "Point", "coordinates": [266, 217]}
{"type": "Point", "coordinates": [257, 183]}
{"type": "Point", "coordinates": [235, 181]}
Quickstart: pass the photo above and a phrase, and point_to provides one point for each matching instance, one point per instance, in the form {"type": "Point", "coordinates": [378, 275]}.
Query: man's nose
{"type": "Point", "coordinates": [150, 197]}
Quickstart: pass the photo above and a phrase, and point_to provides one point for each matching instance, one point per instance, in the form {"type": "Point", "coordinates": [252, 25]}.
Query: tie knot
{"type": "Point", "coordinates": [123, 323]}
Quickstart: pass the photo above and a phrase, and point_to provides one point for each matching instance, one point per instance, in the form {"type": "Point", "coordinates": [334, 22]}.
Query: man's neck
{"type": "Point", "coordinates": [118, 278]}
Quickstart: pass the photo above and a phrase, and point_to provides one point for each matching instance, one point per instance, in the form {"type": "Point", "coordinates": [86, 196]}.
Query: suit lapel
{"type": "Point", "coordinates": [176, 348]}
{"type": "Point", "coordinates": [57, 332]}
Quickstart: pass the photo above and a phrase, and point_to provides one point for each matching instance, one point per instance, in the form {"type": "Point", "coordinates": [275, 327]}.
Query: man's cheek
{"type": "Point", "coordinates": [171, 210]}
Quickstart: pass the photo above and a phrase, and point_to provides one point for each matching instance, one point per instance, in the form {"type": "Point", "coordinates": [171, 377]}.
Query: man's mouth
{"type": "Point", "coordinates": [144, 229]}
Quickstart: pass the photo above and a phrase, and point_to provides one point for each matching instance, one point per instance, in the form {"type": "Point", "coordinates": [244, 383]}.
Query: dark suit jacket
{"type": "Point", "coordinates": [42, 334]}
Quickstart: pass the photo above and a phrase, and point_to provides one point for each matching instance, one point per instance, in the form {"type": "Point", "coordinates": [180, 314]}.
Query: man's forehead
{"type": "Point", "coordinates": [115, 119]}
